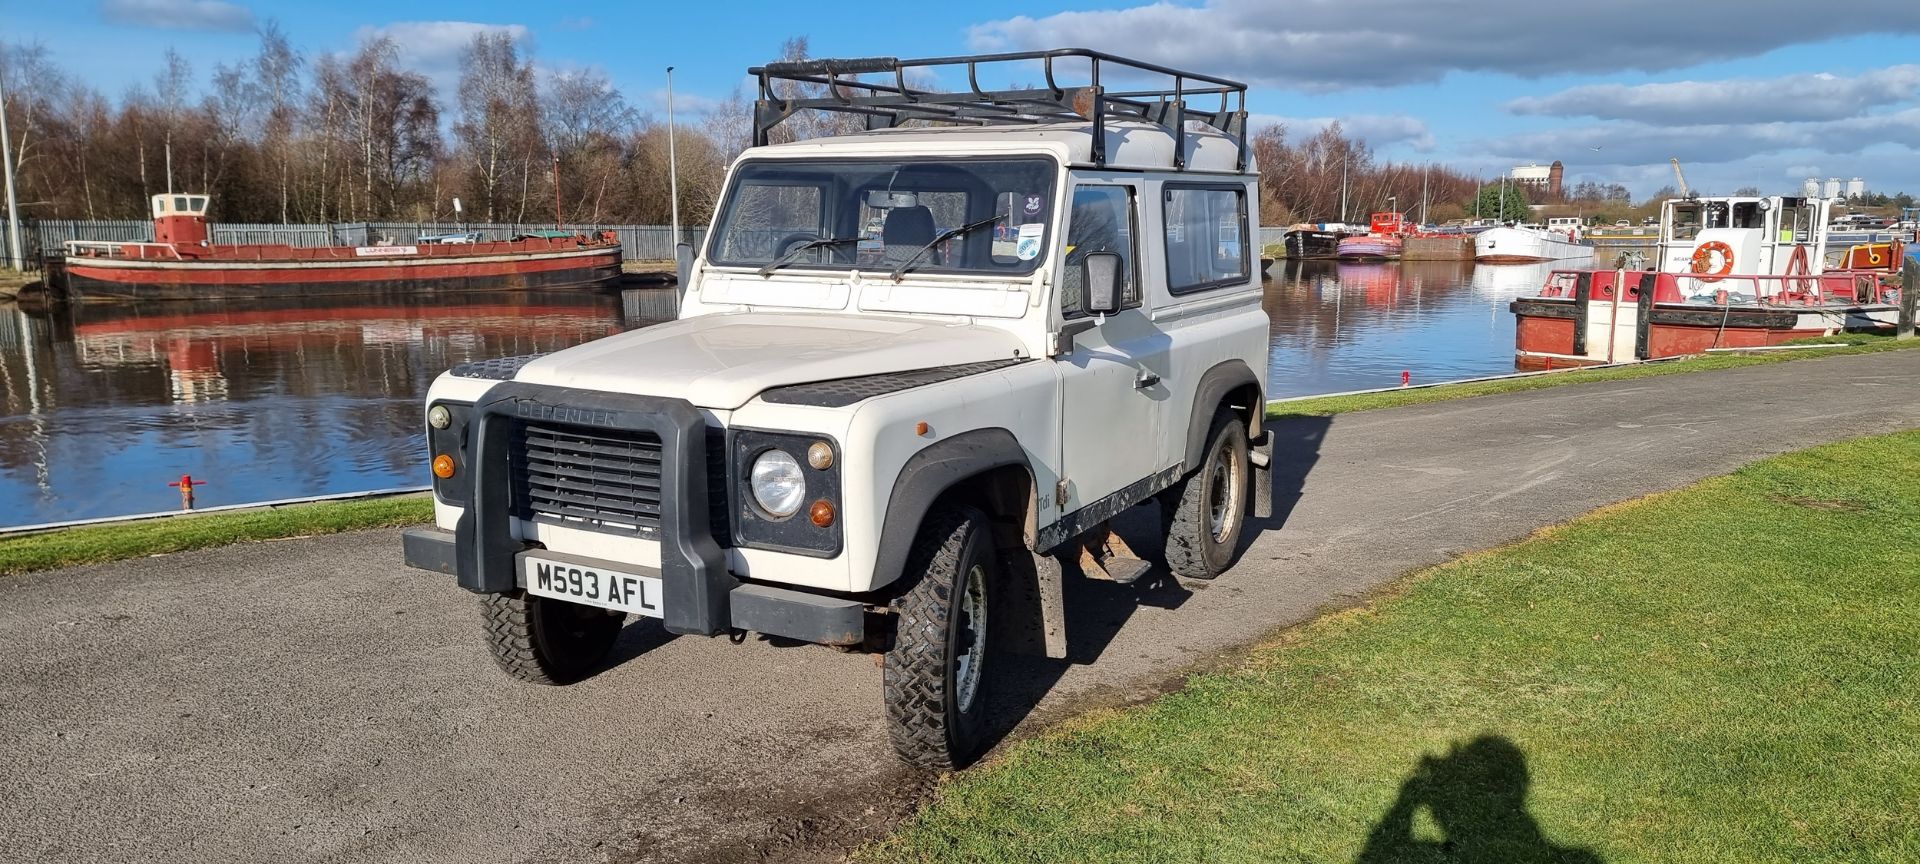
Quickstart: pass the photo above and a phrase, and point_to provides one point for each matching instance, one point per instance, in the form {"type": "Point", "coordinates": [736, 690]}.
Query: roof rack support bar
{"type": "Point", "coordinates": [1179, 124]}
{"type": "Point", "coordinates": [1098, 110]}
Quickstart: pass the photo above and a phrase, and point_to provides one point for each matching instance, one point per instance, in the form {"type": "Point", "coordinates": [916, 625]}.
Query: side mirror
{"type": "Point", "coordinates": [1102, 271]}
{"type": "Point", "coordinates": [683, 263]}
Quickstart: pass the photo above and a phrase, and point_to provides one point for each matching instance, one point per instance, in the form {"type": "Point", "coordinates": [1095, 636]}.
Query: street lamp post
{"type": "Point", "coordinates": [673, 164]}
{"type": "Point", "coordinates": [14, 250]}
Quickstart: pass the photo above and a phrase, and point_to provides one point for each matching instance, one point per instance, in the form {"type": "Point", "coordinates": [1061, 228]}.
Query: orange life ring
{"type": "Point", "coordinates": [1702, 263]}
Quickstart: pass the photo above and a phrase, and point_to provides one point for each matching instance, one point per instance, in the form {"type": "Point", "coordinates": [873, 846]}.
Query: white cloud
{"type": "Point", "coordinates": [216, 16]}
{"type": "Point", "coordinates": [1378, 130]}
{"type": "Point", "coordinates": [1335, 44]}
{"type": "Point", "coordinates": [685, 104]}
{"type": "Point", "coordinates": [433, 48]}
{"type": "Point", "coordinates": [1737, 100]}
{"type": "Point", "coordinates": [1636, 143]}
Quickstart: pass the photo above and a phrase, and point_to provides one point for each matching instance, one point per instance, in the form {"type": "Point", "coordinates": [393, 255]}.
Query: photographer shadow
{"type": "Point", "coordinates": [1477, 796]}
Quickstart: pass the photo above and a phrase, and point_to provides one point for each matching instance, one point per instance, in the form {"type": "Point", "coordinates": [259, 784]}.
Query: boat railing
{"type": "Point", "coordinates": [120, 249]}
{"type": "Point", "coordinates": [1832, 288]}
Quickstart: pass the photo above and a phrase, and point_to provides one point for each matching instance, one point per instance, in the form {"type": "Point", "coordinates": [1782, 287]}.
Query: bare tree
{"type": "Point", "coordinates": [498, 126]}
{"type": "Point", "coordinates": [587, 124]}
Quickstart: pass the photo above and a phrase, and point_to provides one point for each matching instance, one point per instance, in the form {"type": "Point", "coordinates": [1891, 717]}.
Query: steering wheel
{"type": "Point", "coordinates": [797, 238]}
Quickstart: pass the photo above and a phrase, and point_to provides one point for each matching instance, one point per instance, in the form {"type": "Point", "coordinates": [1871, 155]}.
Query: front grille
{"type": "Point", "coordinates": [601, 479]}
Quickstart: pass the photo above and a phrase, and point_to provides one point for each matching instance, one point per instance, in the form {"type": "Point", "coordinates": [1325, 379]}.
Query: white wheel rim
{"type": "Point", "coordinates": [972, 642]}
{"type": "Point", "coordinates": [1224, 492]}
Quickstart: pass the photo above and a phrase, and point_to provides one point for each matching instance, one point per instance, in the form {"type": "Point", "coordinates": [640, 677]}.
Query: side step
{"type": "Point", "coordinates": [1103, 555]}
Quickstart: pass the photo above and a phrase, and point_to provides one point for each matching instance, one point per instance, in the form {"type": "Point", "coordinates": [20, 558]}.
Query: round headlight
{"type": "Point", "coordinates": [777, 484]}
{"type": "Point", "coordinates": [439, 417]}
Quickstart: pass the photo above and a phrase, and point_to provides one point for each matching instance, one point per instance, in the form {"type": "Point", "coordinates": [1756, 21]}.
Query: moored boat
{"type": "Point", "coordinates": [1385, 240]}
{"type": "Point", "coordinates": [1310, 243]}
{"type": "Point", "coordinates": [181, 263]}
{"type": "Point", "coordinates": [1738, 272]}
{"type": "Point", "coordinates": [1528, 244]}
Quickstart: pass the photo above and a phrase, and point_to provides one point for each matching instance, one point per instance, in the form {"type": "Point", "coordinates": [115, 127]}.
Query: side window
{"type": "Point", "coordinates": [1206, 237]}
{"type": "Point", "coordinates": [1101, 221]}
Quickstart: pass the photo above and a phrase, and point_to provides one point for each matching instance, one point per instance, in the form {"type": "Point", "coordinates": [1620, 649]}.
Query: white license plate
{"type": "Point", "coordinates": [592, 585]}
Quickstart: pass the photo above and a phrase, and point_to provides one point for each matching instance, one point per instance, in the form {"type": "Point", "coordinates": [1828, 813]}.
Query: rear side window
{"type": "Point", "coordinates": [1206, 237]}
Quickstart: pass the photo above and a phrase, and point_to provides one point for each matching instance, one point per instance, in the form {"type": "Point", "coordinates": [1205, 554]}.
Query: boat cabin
{"type": "Point", "coordinates": [180, 219]}
{"type": "Point", "coordinates": [1766, 236]}
{"type": "Point", "coordinates": [1389, 223]}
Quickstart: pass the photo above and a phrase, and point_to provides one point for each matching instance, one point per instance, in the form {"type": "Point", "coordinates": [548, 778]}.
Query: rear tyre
{"type": "Point", "coordinates": [1204, 512]}
{"type": "Point", "coordinates": [545, 641]}
{"type": "Point", "coordinates": [936, 671]}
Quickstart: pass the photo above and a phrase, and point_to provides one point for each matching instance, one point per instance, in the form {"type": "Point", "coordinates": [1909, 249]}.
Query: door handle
{"type": "Point", "coordinates": [1144, 380]}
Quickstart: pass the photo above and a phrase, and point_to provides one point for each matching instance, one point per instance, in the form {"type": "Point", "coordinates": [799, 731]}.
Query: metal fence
{"type": "Point", "coordinates": [45, 236]}
{"type": "Point", "coordinates": [637, 242]}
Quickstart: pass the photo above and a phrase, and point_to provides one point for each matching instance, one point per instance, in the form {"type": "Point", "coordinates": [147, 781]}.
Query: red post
{"type": "Point", "coordinates": [185, 484]}
{"type": "Point", "coordinates": [1406, 378]}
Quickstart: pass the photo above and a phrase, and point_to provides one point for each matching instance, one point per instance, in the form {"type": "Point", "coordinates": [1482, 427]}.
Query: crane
{"type": "Point", "coordinates": [1680, 177]}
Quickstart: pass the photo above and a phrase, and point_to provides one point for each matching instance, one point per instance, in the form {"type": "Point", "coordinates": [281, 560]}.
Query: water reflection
{"type": "Point", "coordinates": [1341, 326]}
{"type": "Point", "coordinates": [103, 405]}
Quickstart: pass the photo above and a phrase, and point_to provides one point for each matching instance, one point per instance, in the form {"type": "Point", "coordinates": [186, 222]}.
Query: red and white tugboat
{"type": "Point", "coordinates": [1385, 240]}
{"type": "Point", "coordinates": [1736, 272]}
{"type": "Point", "coordinates": [183, 264]}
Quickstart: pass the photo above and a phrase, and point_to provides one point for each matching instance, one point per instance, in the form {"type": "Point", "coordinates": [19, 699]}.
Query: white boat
{"type": "Point", "coordinates": [1526, 244]}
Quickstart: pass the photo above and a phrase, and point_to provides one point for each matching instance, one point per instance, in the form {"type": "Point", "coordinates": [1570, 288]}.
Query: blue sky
{"type": "Point", "coordinates": [1760, 92]}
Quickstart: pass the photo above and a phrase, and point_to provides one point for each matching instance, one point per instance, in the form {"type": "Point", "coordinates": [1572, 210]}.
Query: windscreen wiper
{"type": "Point", "coordinates": [943, 237]}
{"type": "Point", "coordinates": [808, 246]}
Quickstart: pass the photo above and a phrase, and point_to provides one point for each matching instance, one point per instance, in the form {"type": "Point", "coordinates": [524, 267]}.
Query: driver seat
{"type": "Point", "coordinates": [906, 230]}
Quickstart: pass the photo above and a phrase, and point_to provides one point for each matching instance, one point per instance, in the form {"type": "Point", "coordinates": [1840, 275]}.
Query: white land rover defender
{"type": "Point", "coordinates": [915, 370]}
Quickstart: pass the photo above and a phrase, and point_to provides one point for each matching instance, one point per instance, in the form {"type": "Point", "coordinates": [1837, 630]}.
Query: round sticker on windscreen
{"type": "Point", "coordinates": [1034, 204]}
{"type": "Point", "coordinates": [1027, 246]}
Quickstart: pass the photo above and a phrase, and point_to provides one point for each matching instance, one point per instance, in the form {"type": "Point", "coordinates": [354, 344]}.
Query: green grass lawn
{"type": "Point", "coordinates": [1859, 343]}
{"type": "Point", "coordinates": [1722, 674]}
{"type": "Point", "coordinates": [70, 546]}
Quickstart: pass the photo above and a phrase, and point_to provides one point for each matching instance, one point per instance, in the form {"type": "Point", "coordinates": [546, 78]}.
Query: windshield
{"type": "Point", "coordinates": [871, 214]}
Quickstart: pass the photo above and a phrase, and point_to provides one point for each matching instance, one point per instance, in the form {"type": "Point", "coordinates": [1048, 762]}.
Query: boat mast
{"type": "Point", "coordinates": [1343, 190]}
{"type": "Point", "coordinates": [1424, 175]}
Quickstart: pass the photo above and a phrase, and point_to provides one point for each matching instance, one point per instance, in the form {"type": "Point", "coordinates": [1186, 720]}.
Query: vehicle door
{"type": "Point", "coordinates": [1113, 398]}
{"type": "Point", "coordinates": [1208, 304]}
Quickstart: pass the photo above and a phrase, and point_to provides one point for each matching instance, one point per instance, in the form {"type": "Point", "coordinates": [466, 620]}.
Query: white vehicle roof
{"type": "Point", "coordinates": [1131, 145]}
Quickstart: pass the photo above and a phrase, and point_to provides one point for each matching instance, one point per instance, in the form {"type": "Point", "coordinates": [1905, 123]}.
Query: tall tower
{"type": "Point", "coordinates": [1811, 188]}
{"type": "Point", "coordinates": [1856, 188]}
{"type": "Point", "coordinates": [1556, 176]}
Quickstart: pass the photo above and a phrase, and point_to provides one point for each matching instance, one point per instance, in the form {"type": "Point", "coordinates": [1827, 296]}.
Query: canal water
{"type": "Point", "coordinates": [101, 406]}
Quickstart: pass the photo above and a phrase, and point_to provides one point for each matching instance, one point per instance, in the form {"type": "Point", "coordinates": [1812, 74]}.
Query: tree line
{"type": "Point", "coordinates": [288, 136]}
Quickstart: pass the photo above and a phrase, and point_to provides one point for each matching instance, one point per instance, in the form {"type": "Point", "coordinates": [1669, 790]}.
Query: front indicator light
{"type": "Point", "coordinates": [820, 455]}
{"type": "Point", "coordinates": [443, 466]}
{"type": "Point", "coordinates": [821, 513]}
{"type": "Point", "coordinates": [439, 417]}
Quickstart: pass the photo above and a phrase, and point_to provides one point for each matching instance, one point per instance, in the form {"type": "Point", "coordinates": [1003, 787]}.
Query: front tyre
{"type": "Point", "coordinates": [1205, 512]}
{"type": "Point", "coordinates": [935, 677]}
{"type": "Point", "coordinates": [546, 641]}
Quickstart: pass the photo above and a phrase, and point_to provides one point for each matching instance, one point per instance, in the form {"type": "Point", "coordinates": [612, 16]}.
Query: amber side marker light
{"type": "Point", "coordinates": [443, 466]}
{"type": "Point", "coordinates": [821, 513]}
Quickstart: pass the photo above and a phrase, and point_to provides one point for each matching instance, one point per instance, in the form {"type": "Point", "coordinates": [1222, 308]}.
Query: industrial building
{"type": "Point", "coordinates": [1539, 179]}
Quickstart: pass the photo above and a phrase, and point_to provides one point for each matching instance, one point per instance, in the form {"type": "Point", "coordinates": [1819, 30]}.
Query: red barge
{"type": "Point", "coordinates": [181, 263]}
{"type": "Point", "coordinates": [1739, 272]}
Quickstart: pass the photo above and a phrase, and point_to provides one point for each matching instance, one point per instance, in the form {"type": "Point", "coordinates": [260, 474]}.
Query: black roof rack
{"type": "Point", "coordinates": [886, 104]}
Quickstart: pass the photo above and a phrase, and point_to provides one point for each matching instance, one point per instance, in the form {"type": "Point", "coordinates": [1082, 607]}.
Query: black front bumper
{"type": "Point", "coordinates": [759, 608]}
{"type": "Point", "coordinates": [699, 592]}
